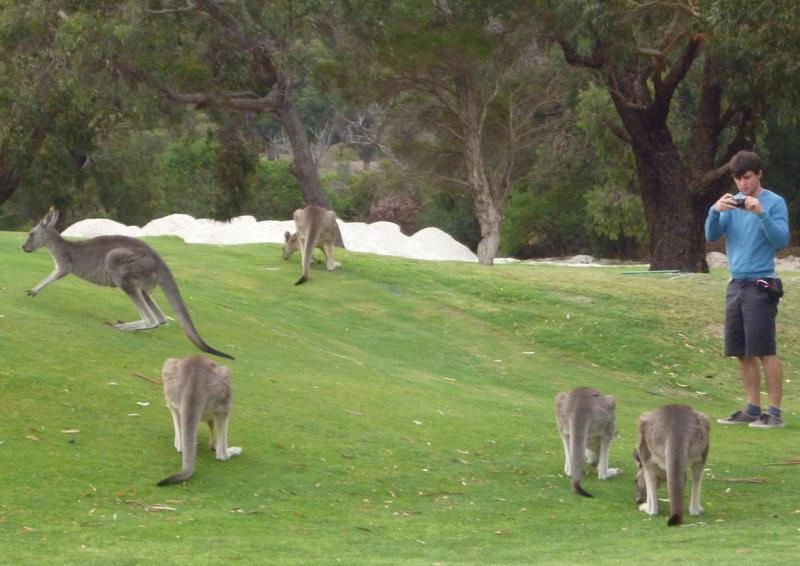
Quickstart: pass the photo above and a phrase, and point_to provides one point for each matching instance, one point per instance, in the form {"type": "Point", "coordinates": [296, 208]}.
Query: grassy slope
{"type": "Point", "coordinates": [388, 413]}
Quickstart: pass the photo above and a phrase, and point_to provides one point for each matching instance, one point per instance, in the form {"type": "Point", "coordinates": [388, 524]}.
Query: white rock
{"type": "Point", "coordinates": [383, 238]}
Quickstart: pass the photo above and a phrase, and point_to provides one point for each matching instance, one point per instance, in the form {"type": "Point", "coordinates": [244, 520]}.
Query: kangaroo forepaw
{"type": "Point", "coordinates": [31, 292]}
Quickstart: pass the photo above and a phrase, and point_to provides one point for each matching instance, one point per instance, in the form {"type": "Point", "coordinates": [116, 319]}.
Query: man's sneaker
{"type": "Point", "coordinates": [739, 417]}
{"type": "Point", "coordinates": [767, 421]}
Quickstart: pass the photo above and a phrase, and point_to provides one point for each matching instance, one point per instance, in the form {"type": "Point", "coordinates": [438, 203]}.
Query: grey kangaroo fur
{"type": "Point", "coordinates": [586, 421]}
{"type": "Point", "coordinates": [115, 261]}
{"type": "Point", "coordinates": [316, 228]}
{"type": "Point", "coordinates": [195, 389]}
{"type": "Point", "coordinates": [672, 439]}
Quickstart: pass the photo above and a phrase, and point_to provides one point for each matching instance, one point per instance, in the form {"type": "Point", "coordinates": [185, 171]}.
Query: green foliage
{"type": "Point", "coordinates": [364, 438]}
{"type": "Point", "coordinates": [187, 169]}
{"type": "Point", "coordinates": [580, 195]}
{"type": "Point", "coordinates": [546, 215]}
{"type": "Point", "coordinates": [274, 191]}
{"type": "Point", "coordinates": [613, 206]}
{"type": "Point", "coordinates": [452, 212]}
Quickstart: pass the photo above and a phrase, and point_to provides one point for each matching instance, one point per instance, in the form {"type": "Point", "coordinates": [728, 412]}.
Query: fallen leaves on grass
{"type": "Point", "coordinates": [71, 431]}
{"type": "Point", "coordinates": [157, 508]}
{"type": "Point", "coordinates": [790, 462]}
{"type": "Point", "coordinates": [142, 376]}
{"type": "Point", "coordinates": [437, 493]}
{"type": "Point", "coordinates": [741, 480]}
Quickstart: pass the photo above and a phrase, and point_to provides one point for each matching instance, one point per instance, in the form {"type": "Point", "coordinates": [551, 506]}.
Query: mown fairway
{"type": "Point", "coordinates": [393, 412]}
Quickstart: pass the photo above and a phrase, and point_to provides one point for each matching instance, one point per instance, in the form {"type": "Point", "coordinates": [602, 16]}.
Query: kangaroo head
{"type": "Point", "coordinates": [290, 245]}
{"type": "Point", "coordinates": [39, 234]}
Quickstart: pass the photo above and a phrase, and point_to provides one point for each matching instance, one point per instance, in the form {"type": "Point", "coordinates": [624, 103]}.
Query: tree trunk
{"type": "Point", "coordinates": [487, 212]}
{"type": "Point", "coordinates": [8, 184]}
{"type": "Point", "coordinates": [13, 166]}
{"type": "Point", "coordinates": [304, 167]}
{"type": "Point", "coordinates": [671, 202]}
{"type": "Point", "coordinates": [675, 213]}
{"type": "Point", "coordinates": [489, 221]}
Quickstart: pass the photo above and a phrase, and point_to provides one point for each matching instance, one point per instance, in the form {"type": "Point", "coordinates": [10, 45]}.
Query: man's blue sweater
{"type": "Point", "coordinates": [752, 239]}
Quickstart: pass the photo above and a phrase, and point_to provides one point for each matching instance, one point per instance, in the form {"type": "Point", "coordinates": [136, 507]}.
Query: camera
{"type": "Point", "coordinates": [740, 203]}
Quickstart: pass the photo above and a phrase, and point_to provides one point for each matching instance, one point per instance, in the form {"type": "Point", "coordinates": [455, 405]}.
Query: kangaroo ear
{"type": "Point", "coordinates": [287, 235]}
{"type": "Point", "coordinates": [50, 218]}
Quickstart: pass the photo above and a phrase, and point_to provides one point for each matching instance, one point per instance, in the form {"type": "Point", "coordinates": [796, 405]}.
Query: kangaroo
{"type": "Point", "coordinates": [115, 261]}
{"type": "Point", "coordinates": [671, 440]}
{"type": "Point", "coordinates": [586, 422]}
{"type": "Point", "coordinates": [316, 228]}
{"type": "Point", "coordinates": [195, 389]}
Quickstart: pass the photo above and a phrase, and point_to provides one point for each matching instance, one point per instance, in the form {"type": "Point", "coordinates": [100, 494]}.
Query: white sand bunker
{"type": "Point", "coordinates": [384, 238]}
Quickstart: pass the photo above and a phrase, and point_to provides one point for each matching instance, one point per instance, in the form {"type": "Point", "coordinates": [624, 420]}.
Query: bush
{"type": "Point", "coordinates": [274, 193]}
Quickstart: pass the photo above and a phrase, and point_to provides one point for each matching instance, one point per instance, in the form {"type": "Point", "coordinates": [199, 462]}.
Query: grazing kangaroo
{"type": "Point", "coordinates": [115, 261]}
{"type": "Point", "coordinates": [195, 389]}
{"type": "Point", "coordinates": [586, 422]}
{"type": "Point", "coordinates": [316, 228]}
{"type": "Point", "coordinates": [671, 440]}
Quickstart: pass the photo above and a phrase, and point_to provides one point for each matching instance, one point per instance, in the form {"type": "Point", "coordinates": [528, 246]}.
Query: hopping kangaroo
{"type": "Point", "coordinates": [316, 228]}
{"type": "Point", "coordinates": [115, 261]}
{"type": "Point", "coordinates": [586, 422]}
{"type": "Point", "coordinates": [195, 389]}
{"type": "Point", "coordinates": [671, 440]}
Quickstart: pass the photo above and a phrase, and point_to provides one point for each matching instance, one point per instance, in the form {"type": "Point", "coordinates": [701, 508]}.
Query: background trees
{"type": "Point", "coordinates": [655, 56]}
{"type": "Point", "coordinates": [551, 129]}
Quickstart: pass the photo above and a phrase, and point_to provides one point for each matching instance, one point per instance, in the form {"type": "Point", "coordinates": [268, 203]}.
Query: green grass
{"type": "Point", "coordinates": [390, 412]}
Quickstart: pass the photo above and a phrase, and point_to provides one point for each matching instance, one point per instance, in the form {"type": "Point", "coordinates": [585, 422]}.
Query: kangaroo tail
{"type": "Point", "coordinates": [190, 420]}
{"type": "Point", "coordinates": [308, 249]}
{"type": "Point", "coordinates": [676, 478]}
{"type": "Point", "coordinates": [170, 288]}
{"type": "Point", "coordinates": [576, 456]}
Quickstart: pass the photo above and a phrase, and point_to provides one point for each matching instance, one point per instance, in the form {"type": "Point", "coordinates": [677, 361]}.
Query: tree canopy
{"type": "Point", "coordinates": [588, 125]}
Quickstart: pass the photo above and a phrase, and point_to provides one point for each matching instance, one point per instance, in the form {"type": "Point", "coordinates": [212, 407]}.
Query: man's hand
{"type": "Point", "coordinates": [725, 202]}
{"type": "Point", "coordinates": [751, 204]}
{"type": "Point", "coordinates": [728, 202]}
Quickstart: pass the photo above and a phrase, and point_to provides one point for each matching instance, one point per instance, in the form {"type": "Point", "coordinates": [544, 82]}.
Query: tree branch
{"type": "Point", "coordinates": [213, 9]}
{"type": "Point", "coordinates": [666, 87]}
{"type": "Point", "coordinates": [189, 7]}
{"type": "Point", "coordinates": [266, 103]}
{"type": "Point", "coordinates": [593, 61]}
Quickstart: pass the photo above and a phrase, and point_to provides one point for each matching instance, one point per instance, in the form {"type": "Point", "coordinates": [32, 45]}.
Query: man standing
{"type": "Point", "coordinates": [756, 225]}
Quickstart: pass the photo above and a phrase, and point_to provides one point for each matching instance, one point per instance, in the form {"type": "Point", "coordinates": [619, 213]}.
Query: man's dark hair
{"type": "Point", "coordinates": [743, 162]}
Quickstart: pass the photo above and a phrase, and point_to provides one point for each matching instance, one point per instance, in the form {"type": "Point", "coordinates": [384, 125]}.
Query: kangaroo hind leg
{"type": "Point", "coordinates": [148, 319]}
{"type": "Point", "coordinates": [157, 313]}
{"type": "Point", "coordinates": [330, 264]}
{"type": "Point", "coordinates": [220, 433]}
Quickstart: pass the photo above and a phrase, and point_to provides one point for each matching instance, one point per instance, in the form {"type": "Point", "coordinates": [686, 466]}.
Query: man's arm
{"type": "Point", "coordinates": [715, 227]}
{"type": "Point", "coordinates": [775, 224]}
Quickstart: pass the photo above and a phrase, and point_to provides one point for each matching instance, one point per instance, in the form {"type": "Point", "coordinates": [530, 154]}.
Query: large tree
{"type": "Point", "coordinates": [239, 55]}
{"type": "Point", "coordinates": [474, 92]}
{"type": "Point", "coordinates": [645, 53]}
{"type": "Point", "coordinates": [54, 105]}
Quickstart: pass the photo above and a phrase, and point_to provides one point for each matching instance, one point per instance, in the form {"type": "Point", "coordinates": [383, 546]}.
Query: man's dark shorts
{"type": "Point", "coordinates": [749, 320]}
